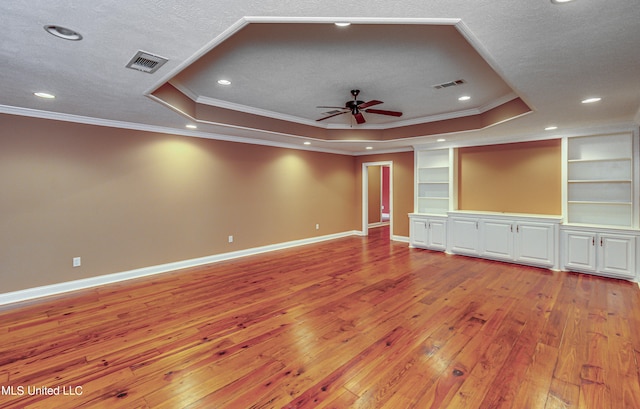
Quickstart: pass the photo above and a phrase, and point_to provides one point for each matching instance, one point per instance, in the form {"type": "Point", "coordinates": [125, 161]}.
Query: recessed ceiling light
{"type": "Point", "coordinates": [191, 126]}
{"type": "Point", "coordinates": [591, 100]}
{"type": "Point", "coordinates": [560, 1]}
{"type": "Point", "coordinates": [342, 24]}
{"type": "Point", "coordinates": [369, 148]}
{"type": "Point", "coordinates": [44, 95]}
{"type": "Point", "coordinates": [224, 82]}
{"type": "Point", "coordinates": [441, 140]}
{"type": "Point", "coordinates": [307, 143]}
{"type": "Point", "coordinates": [63, 32]}
{"type": "Point", "coordinates": [464, 98]}
{"type": "Point", "coordinates": [551, 128]}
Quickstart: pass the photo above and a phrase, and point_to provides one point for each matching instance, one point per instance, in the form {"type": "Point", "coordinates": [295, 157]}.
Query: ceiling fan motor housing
{"type": "Point", "coordinates": [353, 106]}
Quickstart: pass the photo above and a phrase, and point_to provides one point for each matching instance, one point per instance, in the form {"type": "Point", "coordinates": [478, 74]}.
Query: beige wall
{"type": "Point", "coordinates": [124, 199]}
{"type": "Point", "coordinates": [402, 173]}
{"type": "Point", "coordinates": [517, 177]}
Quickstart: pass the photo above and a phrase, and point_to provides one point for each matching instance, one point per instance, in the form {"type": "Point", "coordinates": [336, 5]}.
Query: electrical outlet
{"type": "Point", "coordinates": [77, 261]}
{"type": "Point", "coordinates": [317, 226]}
{"type": "Point", "coordinates": [230, 239]}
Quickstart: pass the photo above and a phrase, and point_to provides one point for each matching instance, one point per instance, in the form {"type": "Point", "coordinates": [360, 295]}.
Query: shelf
{"type": "Point", "coordinates": [596, 202]}
{"type": "Point", "coordinates": [434, 205]}
{"type": "Point", "coordinates": [604, 170]}
{"type": "Point", "coordinates": [600, 192]}
{"type": "Point", "coordinates": [432, 159]}
{"type": "Point", "coordinates": [597, 148]}
{"type": "Point", "coordinates": [433, 167]}
{"type": "Point", "coordinates": [600, 181]}
{"type": "Point", "coordinates": [433, 189]}
{"type": "Point", "coordinates": [600, 213]}
{"type": "Point", "coordinates": [433, 175]}
{"type": "Point", "coordinates": [599, 160]}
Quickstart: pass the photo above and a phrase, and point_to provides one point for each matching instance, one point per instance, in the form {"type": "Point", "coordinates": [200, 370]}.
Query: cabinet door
{"type": "Point", "coordinates": [617, 255]}
{"type": "Point", "coordinates": [437, 239]}
{"type": "Point", "coordinates": [535, 243]}
{"type": "Point", "coordinates": [418, 233]}
{"type": "Point", "coordinates": [580, 250]}
{"type": "Point", "coordinates": [464, 236]}
{"type": "Point", "coordinates": [496, 239]}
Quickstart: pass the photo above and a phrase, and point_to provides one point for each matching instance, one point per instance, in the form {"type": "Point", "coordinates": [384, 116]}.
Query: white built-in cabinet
{"type": "Point", "coordinates": [601, 234]}
{"type": "Point", "coordinates": [524, 239]}
{"type": "Point", "coordinates": [429, 232]}
{"type": "Point", "coordinates": [434, 181]}
{"type": "Point", "coordinates": [464, 236]}
{"type": "Point", "coordinates": [597, 232]}
{"type": "Point", "coordinates": [600, 180]}
{"type": "Point", "coordinates": [603, 252]}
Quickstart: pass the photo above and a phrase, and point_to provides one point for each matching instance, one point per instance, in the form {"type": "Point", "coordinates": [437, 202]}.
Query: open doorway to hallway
{"type": "Point", "coordinates": [377, 195]}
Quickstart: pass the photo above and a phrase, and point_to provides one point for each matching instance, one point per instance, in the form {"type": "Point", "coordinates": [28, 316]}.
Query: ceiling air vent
{"type": "Point", "coordinates": [146, 62]}
{"type": "Point", "coordinates": [449, 84]}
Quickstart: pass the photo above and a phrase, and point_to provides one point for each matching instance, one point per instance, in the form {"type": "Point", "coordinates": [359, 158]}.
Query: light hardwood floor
{"type": "Point", "coordinates": [351, 323]}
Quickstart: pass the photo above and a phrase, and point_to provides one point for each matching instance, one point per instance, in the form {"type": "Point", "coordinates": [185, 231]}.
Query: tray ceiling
{"type": "Point", "coordinates": [532, 62]}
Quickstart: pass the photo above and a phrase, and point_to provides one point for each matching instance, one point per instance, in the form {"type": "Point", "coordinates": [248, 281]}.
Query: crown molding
{"type": "Point", "coordinates": [352, 20]}
{"type": "Point", "coordinates": [252, 110]}
{"type": "Point", "coordinates": [57, 116]}
{"type": "Point", "coordinates": [383, 151]}
{"type": "Point", "coordinates": [396, 124]}
{"type": "Point", "coordinates": [530, 137]}
{"type": "Point", "coordinates": [292, 118]}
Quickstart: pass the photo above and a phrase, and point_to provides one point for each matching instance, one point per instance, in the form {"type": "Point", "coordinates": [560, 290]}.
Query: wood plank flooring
{"type": "Point", "coordinates": [351, 323]}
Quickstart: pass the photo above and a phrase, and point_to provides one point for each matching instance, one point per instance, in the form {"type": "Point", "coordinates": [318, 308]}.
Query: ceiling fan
{"type": "Point", "coordinates": [356, 108]}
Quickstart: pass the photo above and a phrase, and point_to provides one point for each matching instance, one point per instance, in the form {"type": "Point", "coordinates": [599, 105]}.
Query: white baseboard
{"type": "Point", "coordinates": [54, 289]}
{"type": "Point", "coordinates": [403, 239]}
{"type": "Point", "coordinates": [378, 224]}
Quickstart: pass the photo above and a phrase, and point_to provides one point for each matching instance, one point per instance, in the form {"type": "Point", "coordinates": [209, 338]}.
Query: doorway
{"type": "Point", "coordinates": [377, 195]}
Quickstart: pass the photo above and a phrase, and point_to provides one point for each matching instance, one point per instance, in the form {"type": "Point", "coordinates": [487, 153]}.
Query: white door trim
{"type": "Point", "coordinates": [365, 195]}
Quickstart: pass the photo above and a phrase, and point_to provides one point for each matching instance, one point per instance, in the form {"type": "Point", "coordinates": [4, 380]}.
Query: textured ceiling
{"type": "Point", "coordinates": [288, 69]}
{"type": "Point", "coordinates": [550, 56]}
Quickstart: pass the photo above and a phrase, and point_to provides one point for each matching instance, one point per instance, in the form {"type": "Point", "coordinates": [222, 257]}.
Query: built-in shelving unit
{"type": "Point", "coordinates": [433, 176]}
{"type": "Point", "coordinates": [597, 233]}
{"type": "Point", "coordinates": [600, 180]}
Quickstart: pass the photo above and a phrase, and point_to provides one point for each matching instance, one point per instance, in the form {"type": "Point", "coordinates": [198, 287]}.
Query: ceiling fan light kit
{"type": "Point", "coordinates": [356, 107]}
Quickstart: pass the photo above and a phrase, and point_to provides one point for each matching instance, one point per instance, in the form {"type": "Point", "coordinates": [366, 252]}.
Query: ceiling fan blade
{"type": "Point", "coordinates": [324, 106]}
{"type": "Point", "coordinates": [331, 116]}
{"type": "Point", "coordinates": [383, 112]}
{"type": "Point", "coordinates": [369, 104]}
{"type": "Point", "coordinates": [359, 118]}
